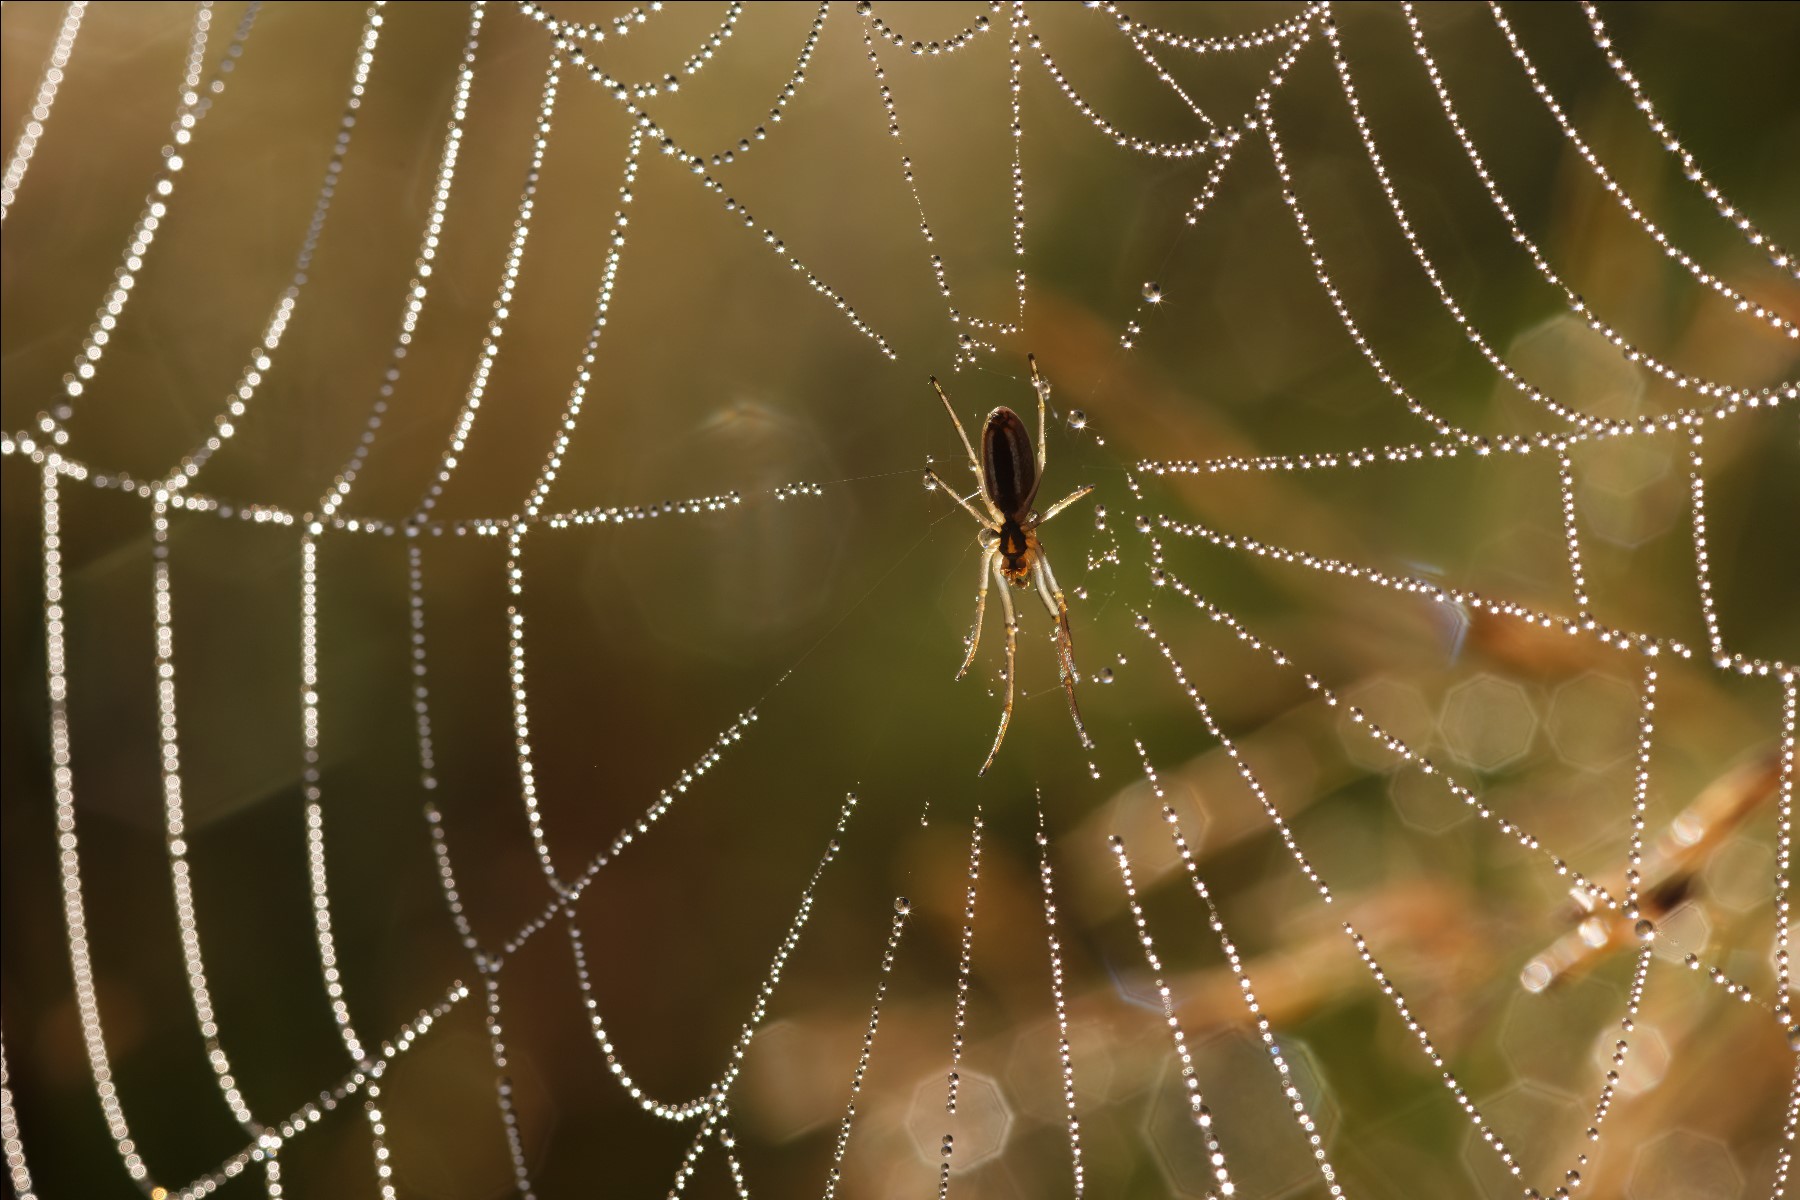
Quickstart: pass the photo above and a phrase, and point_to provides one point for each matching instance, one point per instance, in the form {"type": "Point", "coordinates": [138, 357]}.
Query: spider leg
{"type": "Point", "coordinates": [1052, 596]}
{"type": "Point", "coordinates": [1067, 500]}
{"type": "Point", "coordinates": [974, 463]}
{"type": "Point", "coordinates": [1043, 392]}
{"type": "Point", "coordinates": [1012, 641]}
{"type": "Point", "coordinates": [950, 492]}
{"type": "Point", "coordinates": [988, 559]}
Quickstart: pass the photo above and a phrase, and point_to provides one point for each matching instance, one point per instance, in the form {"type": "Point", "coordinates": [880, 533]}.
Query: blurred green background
{"type": "Point", "coordinates": [838, 616]}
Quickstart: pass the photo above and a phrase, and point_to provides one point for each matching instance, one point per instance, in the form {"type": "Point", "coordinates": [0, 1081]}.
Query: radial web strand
{"type": "Point", "coordinates": [1426, 379]}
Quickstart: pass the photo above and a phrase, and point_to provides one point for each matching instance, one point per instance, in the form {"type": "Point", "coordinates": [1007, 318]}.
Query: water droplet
{"type": "Point", "coordinates": [930, 483]}
{"type": "Point", "coordinates": [1077, 419]}
{"type": "Point", "coordinates": [1153, 293]}
{"type": "Point", "coordinates": [902, 905]}
{"type": "Point", "coordinates": [1143, 523]}
{"type": "Point", "coordinates": [1093, 770]}
{"type": "Point", "coordinates": [1105, 675]}
{"type": "Point", "coordinates": [1645, 930]}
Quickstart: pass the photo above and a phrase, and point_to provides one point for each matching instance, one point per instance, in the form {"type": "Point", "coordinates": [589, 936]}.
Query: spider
{"type": "Point", "coordinates": [1010, 550]}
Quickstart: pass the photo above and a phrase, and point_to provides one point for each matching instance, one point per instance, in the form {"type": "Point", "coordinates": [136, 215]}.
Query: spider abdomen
{"type": "Point", "coordinates": [1008, 470]}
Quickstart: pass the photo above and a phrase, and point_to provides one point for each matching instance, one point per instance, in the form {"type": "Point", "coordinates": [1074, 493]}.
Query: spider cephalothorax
{"type": "Point", "coordinates": [1016, 549]}
{"type": "Point", "coordinates": [1009, 472]}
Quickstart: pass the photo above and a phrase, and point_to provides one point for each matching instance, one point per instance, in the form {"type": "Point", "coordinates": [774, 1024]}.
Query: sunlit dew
{"type": "Point", "coordinates": [1632, 919]}
{"type": "Point", "coordinates": [964, 965]}
{"type": "Point", "coordinates": [1198, 1110]}
{"type": "Point", "coordinates": [20, 162]}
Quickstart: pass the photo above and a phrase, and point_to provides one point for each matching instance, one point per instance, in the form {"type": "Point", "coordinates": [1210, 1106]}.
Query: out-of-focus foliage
{"type": "Point", "coordinates": [838, 617]}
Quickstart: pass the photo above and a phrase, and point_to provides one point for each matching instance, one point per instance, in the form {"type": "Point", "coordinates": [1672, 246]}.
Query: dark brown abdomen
{"type": "Point", "coordinates": [1008, 470]}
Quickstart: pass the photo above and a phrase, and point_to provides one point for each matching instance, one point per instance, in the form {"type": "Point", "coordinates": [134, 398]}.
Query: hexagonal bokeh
{"type": "Point", "coordinates": [1741, 874]}
{"type": "Point", "coordinates": [1686, 930]}
{"type": "Point", "coordinates": [1545, 1036]}
{"type": "Point", "coordinates": [981, 1124]}
{"type": "Point", "coordinates": [1593, 720]}
{"type": "Point", "coordinates": [1134, 987]}
{"type": "Point", "coordinates": [1399, 708]}
{"type": "Point", "coordinates": [1646, 1058]}
{"type": "Point", "coordinates": [1684, 1165]}
{"type": "Point", "coordinates": [1536, 1123]}
{"type": "Point", "coordinates": [1136, 813]}
{"type": "Point", "coordinates": [731, 580]}
{"type": "Point", "coordinates": [1626, 493]}
{"type": "Point", "coordinates": [1268, 1155]}
{"type": "Point", "coordinates": [1566, 358]}
{"type": "Point", "coordinates": [1034, 1069]}
{"type": "Point", "coordinates": [1425, 803]}
{"type": "Point", "coordinates": [785, 1092]}
{"type": "Point", "coordinates": [1488, 721]}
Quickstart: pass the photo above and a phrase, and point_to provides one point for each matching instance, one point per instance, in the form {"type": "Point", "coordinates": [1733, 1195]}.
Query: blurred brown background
{"type": "Point", "coordinates": [838, 617]}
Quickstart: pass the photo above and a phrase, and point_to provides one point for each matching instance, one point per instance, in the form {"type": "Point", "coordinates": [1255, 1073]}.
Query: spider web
{"type": "Point", "coordinates": [485, 584]}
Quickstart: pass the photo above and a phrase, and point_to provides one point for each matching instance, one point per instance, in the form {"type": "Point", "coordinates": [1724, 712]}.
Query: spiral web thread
{"type": "Point", "coordinates": [575, 55]}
